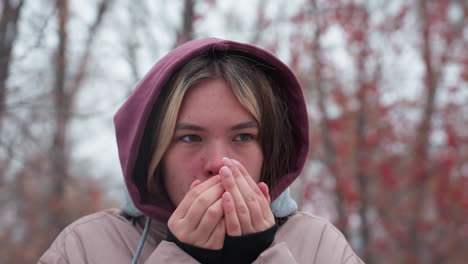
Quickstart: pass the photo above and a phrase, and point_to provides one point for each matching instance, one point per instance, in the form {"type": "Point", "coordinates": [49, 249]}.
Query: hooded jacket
{"type": "Point", "coordinates": [117, 236]}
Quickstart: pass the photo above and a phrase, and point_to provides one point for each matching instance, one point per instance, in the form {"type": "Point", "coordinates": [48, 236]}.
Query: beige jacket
{"type": "Point", "coordinates": [109, 237]}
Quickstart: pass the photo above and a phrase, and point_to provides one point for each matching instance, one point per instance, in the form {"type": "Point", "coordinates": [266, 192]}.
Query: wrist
{"type": "Point", "coordinates": [203, 255]}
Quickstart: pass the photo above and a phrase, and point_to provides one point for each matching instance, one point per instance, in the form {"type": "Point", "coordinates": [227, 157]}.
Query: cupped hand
{"type": "Point", "coordinates": [198, 220]}
{"type": "Point", "coordinates": [245, 203]}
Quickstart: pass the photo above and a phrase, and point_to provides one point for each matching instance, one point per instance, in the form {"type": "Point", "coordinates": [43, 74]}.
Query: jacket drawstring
{"type": "Point", "coordinates": [142, 240]}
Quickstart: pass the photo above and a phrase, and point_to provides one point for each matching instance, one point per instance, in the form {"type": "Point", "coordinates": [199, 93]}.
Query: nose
{"type": "Point", "coordinates": [213, 158]}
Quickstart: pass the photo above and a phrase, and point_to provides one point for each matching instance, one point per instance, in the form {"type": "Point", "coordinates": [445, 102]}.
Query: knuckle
{"type": "Point", "coordinates": [195, 192]}
{"type": "Point", "coordinates": [172, 224]}
{"type": "Point", "coordinates": [203, 201]}
{"type": "Point", "coordinates": [250, 198]}
{"type": "Point", "coordinates": [229, 209]}
{"type": "Point", "coordinates": [235, 172]}
{"type": "Point", "coordinates": [212, 212]}
{"type": "Point", "coordinates": [229, 184]}
{"type": "Point", "coordinates": [171, 221]}
{"type": "Point", "coordinates": [242, 210]}
{"type": "Point", "coordinates": [232, 226]}
{"type": "Point", "coordinates": [266, 224]}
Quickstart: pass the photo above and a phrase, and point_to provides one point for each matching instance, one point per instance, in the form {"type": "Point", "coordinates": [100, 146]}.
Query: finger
{"type": "Point", "coordinates": [201, 204]}
{"type": "Point", "coordinates": [262, 194]}
{"type": "Point", "coordinates": [265, 204]}
{"type": "Point", "coordinates": [216, 240]}
{"type": "Point", "coordinates": [250, 198]}
{"type": "Point", "coordinates": [259, 209]}
{"type": "Point", "coordinates": [265, 191]}
{"type": "Point", "coordinates": [192, 194]}
{"type": "Point", "coordinates": [233, 227]}
{"type": "Point", "coordinates": [241, 167]}
{"type": "Point", "coordinates": [253, 185]}
{"type": "Point", "coordinates": [230, 185]}
{"type": "Point", "coordinates": [208, 222]}
{"type": "Point", "coordinates": [255, 212]}
{"type": "Point", "coordinates": [242, 210]}
{"type": "Point", "coordinates": [194, 183]}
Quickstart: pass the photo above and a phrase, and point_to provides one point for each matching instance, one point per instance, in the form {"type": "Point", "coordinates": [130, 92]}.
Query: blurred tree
{"type": "Point", "coordinates": [383, 158]}
{"type": "Point", "coordinates": [41, 195]}
{"type": "Point", "coordinates": [385, 83]}
{"type": "Point", "coordinates": [185, 33]}
{"type": "Point", "coordinates": [11, 11]}
{"type": "Point", "coordinates": [65, 90]}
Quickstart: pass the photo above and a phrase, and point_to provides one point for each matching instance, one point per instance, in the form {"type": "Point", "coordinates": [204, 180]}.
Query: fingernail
{"type": "Point", "coordinates": [224, 171]}
{"type": "Point", "coordinates": [227, 197]}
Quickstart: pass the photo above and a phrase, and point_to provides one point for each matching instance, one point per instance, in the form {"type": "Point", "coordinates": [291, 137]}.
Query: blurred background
{"type": "Point", "coordinates": [387, 90]}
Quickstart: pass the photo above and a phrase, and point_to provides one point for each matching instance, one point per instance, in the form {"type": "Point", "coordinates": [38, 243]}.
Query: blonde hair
{"type": "Point", "coordinates": [252, 88]}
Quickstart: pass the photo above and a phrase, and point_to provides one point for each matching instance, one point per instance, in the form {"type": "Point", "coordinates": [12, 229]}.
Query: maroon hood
{"type": "Point", "coordinates": [131, 119]}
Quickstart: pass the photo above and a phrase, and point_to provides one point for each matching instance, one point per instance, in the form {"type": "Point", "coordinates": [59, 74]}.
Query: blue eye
{"type": "Point", "coordinates": [190, 138]}
{"type": "Point", "coordinates": [243, 137]}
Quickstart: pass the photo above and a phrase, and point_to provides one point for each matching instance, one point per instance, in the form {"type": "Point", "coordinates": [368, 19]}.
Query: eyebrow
{"type": "Point", "coordinates": [188, 126]}
{"type": "Point", "coordinates": [249, 124]}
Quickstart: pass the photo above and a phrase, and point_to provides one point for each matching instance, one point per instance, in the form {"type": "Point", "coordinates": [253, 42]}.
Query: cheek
{"type": "Point", "coordinates": [179, 173]}
{"type": "Point", "coordinates": [253, 163]}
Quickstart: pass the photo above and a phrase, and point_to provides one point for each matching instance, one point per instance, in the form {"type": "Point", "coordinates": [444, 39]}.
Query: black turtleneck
{"type": "Point", "coordinates": [239, 249]}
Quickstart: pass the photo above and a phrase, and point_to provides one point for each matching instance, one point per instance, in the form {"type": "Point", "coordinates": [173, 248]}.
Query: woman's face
{"type": "Point", "coordinates": [211, 124]}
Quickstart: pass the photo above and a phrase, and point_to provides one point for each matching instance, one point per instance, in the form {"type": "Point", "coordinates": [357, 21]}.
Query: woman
{"type": "Point", "coordinates": [214, 132]}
